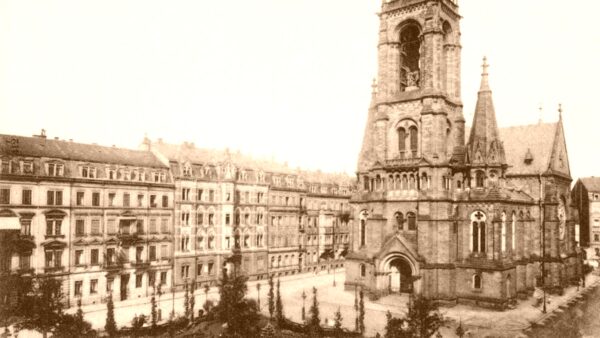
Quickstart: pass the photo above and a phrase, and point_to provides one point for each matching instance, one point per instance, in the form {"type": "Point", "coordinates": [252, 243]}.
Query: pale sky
{"type": "Point", "coordinates": [288, 79]}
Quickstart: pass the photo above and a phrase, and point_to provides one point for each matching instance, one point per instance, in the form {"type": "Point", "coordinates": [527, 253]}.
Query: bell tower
{"type": "Point", "coordinates": [413, 149]}
{"type": "Point", "coordinates": [416, 110]}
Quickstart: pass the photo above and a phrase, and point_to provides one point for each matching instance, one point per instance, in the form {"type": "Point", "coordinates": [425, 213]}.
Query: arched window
{"type": "Point", "coordinates": [503, 233]}
{"type": "Point", "coordinates": [366, 182]}
{"type": "Point", "coordinates": [404, 182]}
{"type": "Point", "coordinates": [478, 231]}
{"type": "Point", "coordinates": [377, 182]}
{"type": "Point", "coordinates": [479, 179]}
{"type": "Point", "coordinates": [411, 185]}
{"type": "Point", "coordinates": [363, 228]}
{"type": "Point", "coordinates": [399, 220]}
{"type": "Point", "coordinates": [410, 43]}
{"type": "Point", "coordinates": [414, 139]}
{"type": "Point", "coordinates": [412, 220]}
{"type": "Point", "coordinates": [363, 270]}
{"type": "Point", "coordinates": [401, 141]}
{"type": "Point", "coordinates": [424, 181]}
{"type": "Point", "coordinates": [477, 281]}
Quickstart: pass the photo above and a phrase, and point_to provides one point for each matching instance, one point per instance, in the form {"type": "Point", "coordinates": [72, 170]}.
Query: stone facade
{"type": "Point", "coordinates": [449, 219]}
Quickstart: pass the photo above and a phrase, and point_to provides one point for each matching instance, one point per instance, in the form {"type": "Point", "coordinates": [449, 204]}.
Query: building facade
{"type": "Point", "coordinates": [225, 200]}
{"type": "Point", "coordinates": [98, 218]}
{"type": "Point", "coordinates": [586, 197]}
{"type": "Point", "coordinates": [481, 220]}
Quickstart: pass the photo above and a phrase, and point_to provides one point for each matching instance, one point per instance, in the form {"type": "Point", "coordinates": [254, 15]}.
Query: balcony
{"type": "Point", "coordinates": [129, 239]}
{"type": "Point", "coordinates": [112, 266]}
{"type": "Point", "coordinates": [53, 269]}
{"type": "Point", "coordinates": [140, 264]}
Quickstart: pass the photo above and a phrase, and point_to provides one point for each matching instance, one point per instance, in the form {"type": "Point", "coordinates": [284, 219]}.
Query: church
{"type": "Point", "coordinates": [479, 216]}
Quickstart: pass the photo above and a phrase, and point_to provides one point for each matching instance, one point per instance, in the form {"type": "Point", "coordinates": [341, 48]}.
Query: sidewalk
{"type": "Point", "coordinates": [511, 323]}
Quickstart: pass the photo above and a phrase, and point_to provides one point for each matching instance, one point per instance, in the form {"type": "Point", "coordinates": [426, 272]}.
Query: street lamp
{"type": "Point", "coordinates": [258, 292]}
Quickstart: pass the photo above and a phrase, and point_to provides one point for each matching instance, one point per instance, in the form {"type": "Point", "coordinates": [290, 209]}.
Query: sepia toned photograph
{"type": "Point", "coordinates": [299, 168]}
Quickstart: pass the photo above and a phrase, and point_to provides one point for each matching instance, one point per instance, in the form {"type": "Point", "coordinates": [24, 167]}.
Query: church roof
{"type": "Point", "coordinates": [40, 146]}
{"type": "Point", "coordinates": [528, 148]}
{"type": "Point", "coordinates": [591, 183]}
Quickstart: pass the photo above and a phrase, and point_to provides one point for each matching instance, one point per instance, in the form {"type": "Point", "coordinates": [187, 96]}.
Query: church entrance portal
{"type": "Point", "coordinates": [400, 276]}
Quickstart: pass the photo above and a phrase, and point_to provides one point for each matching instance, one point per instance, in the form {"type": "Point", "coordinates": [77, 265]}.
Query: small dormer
{"type": "Point", "coordinates": [186, 169]}
{"type": "Point", "coordinates": [528, 157]}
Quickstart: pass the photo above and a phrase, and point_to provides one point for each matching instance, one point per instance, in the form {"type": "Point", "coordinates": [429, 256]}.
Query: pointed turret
{"type": "Point", "coordinates": [485, 147]}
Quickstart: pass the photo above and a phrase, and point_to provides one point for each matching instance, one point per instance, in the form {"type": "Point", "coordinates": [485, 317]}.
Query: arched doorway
{"type": "Point", "coordinates": [401, 279]}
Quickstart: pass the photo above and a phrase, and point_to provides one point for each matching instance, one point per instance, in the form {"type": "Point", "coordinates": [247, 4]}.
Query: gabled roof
{"type": "Point", "coordinates": [67, 150]}
{"type": "Point", "coordinates": [591, 183]}
{"type": "Point", "coordinates": [528, 148]}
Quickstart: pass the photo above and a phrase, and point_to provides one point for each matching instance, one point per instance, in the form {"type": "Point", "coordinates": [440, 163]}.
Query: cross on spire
{"type": "Point", "coordinates": [484, 76]}
{"type": "Point", "coordinates": [560, 111]}
{"type": "Point", "coordinates": [485, 66]}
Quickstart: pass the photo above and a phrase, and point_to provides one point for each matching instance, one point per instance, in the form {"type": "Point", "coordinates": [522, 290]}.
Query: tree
{"type": "Point", "coordinates": [423, 318]}
{"type": "Point", "coordinates": [314, 322]}
{"type": "Point", "coordinates": [74, 325]}
{"type": "Point", "coordinates": [239, 314]}
{"type": "Point", "coordinates": [43, 307]}
{"type": "Point", "coordinates": [337, 326]}
{"type": "Point", "coordinates": [136, 324]}
{"type": "Point", "coordinates": [13, 293]}
{"type": "Point", "coordinates": [394, 327]}
{"type": "Point", "coordinates": [186, 301]}
{"type": "Point", "coordinates": [361, 312]}
{"type": "Point", "coordinates": [278, 306]}
{"type": "Point", "coordinates": [268, 331]}
{"type": "Point", "coordinates": [192, 301]}
{"type": "Point", "coordinates": [111, 326]}
{"type": "Point", "coordinates": [153, 313]}
{"type": "Point", "coordinates": [271, 297]}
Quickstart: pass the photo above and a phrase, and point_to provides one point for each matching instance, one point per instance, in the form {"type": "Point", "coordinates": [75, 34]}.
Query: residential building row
{"type": "Point", "coordinates": [120, 222]}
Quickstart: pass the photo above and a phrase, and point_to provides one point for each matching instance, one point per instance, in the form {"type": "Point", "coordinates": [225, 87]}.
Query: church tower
{"type": "Point", "coordinates": [413, 149]}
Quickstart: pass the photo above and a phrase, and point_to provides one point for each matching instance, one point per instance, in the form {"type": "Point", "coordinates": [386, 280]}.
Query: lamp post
{"type": "Point", "coordinates": [258, 295]}
{"type": "Point", "coordinates": [303, 306]}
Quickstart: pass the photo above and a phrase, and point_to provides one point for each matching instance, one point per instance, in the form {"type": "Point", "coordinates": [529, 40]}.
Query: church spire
{"type": "Point", "coordinates": [484, 146]}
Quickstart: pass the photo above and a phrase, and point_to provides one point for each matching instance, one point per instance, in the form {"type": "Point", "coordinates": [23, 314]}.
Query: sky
{"type": "Point", "coordinates": [282, 79]}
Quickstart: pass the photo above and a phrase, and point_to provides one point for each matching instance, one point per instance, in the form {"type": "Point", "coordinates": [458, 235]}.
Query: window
{"type": "Point", "coordinates": [112, 174]}
{"type": "Point", "coordinates": [139, 226]}
{"type": "Point", "coordinates": [200, 218]}
{"type": "Point", "coordinates": [95, 228]}
{"type": "Point", "coordinates": [199, 194]}
{"type": "Point", "coordinates": [126, 200]}
{"type": "Point", "coordinates": [53, 258]}
{"type": "Point", "coordinates": [55, 169]}
{"type": "Point", "coordinates": [401, 141]}
{"type": "Point", "coordinates": [111, 226]}
{"type": "Point", "coordinates": [152, 228]}
{"type": "Point", "coordinates": [27, 167]}
{"type": "Point", "coordinates": [164, 254]}
{"type": "Point", "coordinates": [78, 287]}
{"type": "Point", "coordinates": [94, 257]}
{"type": "Point", "coordinates": [163, 278]}
{"type": "Point", "coordinates": [152, 253]}
{"type": "Point", "coordinates": [54, 197]}
{"type": "Point", "coordinates": [78, 257]}
{"type": "Point", "coordinates": [53, 226]}
{"type": "Point", "coordinates": [410, 45]}
{"type": "Point", "coordinates": [399, 221]}
{"type": "Point", "coordinates": [26, 226]}
{"type": "Point", "coordinates": [93, 286]}
{"type": "Point", "coordinates": [211, 219]}
{"type": "Point", "coordinates": [478, 231]}
{"type": "Point", "coordinates": [151, 278]}
{"type": "Point", "coordinates": [88, 172]}
{"type": "Point", "coordinates": [185, 271]}
{"type": "Point", "coordinates": [414, 140]}
{"type": "Point", "coordinates": [79, 198]}
{"type": "Point", "coordinates": [26, 197]}
{"type": "Point", "coordinates": [477, 281]}
{"type": "Point", "coordinates": [185, 194]}
{"type": "Point", "coordinates": [479, 179]}
{"type": "Point", "coordinates": [138, 280]}
{"type": "Point", "coordinates": [185, 243]}
{"type": "Point", "coordinates": [227, 219]}
{"type": "Point", "coordinates": [211, 242]}
{"type": "Point", "coordinates": [164, 225]}
{"type": "Point", "coordinates": [4, 196]}
{"type": "Point", "coordinates": [96, 199]}
{"type": "Point", "coordinates": [363, 270]}
{"type": "Point", "coordinates": [165, 201]}
{"type": "Point", "coordinates": [140, 200]}
{"type": "Point", "coordinates": [153, 201]}
{"type": "Point", "coordinates": [412, 221]}
{"type": "Point", "coordinates": [185, 218]}
{"type": "Point", "coordinates": [363, 230]}
{"type": "Point", "coordinates": [596, 238]}
{"type": "Point", "coordinates": [111, 199]}
{"type": "Point", "coordinates": [110, 256]}
{"type": "Point", "coordinates": [210, 268]}
{"type": "Point", "coordinates": [199, 269]}
{"type": "Point", "coordinates": [211, 195]}
{"type": "Point", "coordinates": [79, 227]}
{"type": "Point", "coordinates": [503, 233]}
